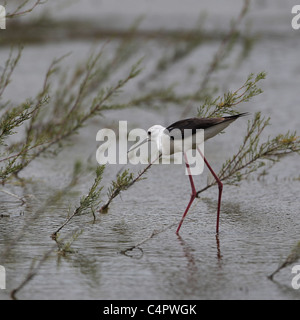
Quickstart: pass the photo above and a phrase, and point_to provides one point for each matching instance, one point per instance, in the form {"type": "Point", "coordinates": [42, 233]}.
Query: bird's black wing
{"type": "Point", "coordinates": [198, 123]}
{"type": "Point", "coordinates": [192, 124]}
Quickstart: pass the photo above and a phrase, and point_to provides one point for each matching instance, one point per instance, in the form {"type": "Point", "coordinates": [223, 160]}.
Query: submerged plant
{"type": "Point", "coordinates": [124, 181]}
{"type": "Point", "coordinates": [293, 257]}
{"type": "Point", "coordinates": [88, 203]}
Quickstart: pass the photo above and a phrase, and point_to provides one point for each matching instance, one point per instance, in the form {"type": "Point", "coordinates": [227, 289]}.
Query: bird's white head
{"type": "Point", "coordinates": [155, 133]}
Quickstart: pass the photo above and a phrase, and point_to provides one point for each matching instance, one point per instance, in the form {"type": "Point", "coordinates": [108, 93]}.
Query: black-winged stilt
{"type": "Point", "coordinates": [166, 144]}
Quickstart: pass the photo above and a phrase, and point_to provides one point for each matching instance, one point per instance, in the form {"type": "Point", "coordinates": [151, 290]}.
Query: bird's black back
{"type": "Point", "coordinates": [199, 123]}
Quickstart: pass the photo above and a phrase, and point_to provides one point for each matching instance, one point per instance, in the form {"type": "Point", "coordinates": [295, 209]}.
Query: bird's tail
{"type": "Point", "coordinates": [237, 116]}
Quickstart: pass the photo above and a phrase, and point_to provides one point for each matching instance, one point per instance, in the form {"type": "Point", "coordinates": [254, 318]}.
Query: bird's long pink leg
{"type": "Point", "coordinates": [220, 185]}
{"type": "Point", "coordinates": [193, 195]}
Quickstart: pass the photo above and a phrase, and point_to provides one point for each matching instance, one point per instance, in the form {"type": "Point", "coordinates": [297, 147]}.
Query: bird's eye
{"type": "Point", "coordinates": [149, 133]}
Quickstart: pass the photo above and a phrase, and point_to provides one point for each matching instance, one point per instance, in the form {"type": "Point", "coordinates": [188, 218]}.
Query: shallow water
{"type": "Point", "coordinates": [259, 219]}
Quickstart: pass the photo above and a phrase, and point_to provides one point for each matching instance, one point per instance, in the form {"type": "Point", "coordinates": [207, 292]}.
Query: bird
{"type": "Point", "coordinates": [169, 139]}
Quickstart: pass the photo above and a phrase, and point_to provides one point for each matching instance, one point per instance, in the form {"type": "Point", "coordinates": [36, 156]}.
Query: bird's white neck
{"type": "Point", "coordinates": [158, 140]}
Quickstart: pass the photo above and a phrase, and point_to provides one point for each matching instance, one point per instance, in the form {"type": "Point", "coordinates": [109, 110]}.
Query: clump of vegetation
{"type": "Point", "coordinates": [217, 107]}
{"type": "Point", "coordinates": [123, 182]}
{"type": "Point", "coordinates": [45, 132]}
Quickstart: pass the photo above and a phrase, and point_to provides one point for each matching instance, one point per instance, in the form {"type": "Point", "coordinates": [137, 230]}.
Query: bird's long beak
{"type": "Point", "coordinates": [137, 146]}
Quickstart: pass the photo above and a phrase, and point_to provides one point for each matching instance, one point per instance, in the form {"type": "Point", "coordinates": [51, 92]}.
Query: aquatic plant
{"type": "Point", "coordinates": [45, 132]}
{"type": "Point", "coordinates": [88, 203]}
{"type": "Point", "coordinates": [293, 257]}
